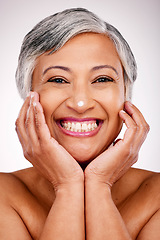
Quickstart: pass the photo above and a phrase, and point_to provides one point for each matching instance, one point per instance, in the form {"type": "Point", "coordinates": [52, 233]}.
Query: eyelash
{"type": "Point", "coordinates": [57, 80]}
{"type": "Point", "coordinates": [98, 80]}
{"type": "Point", "coordinates": [103, 80]}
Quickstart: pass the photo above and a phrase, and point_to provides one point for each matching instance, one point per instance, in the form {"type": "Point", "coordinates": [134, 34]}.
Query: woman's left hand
{"type": "Point", "coordinates": [115, 161]}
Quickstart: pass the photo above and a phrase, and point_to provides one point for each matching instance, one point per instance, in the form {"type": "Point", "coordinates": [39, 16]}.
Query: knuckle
{"type": "Point", "coordinates": [29, 152]}
{"type": "Point", "coordinates": [135, 159]}
{"type": "Point", "coordinates": [147, 127]}
{"type": "Point", "coordinates": [17, 122]}
{"type": "Point", "coordinates": [27, 122]}
{"type": "Point", "coordinates": [32, 153]}
{"type": "Point", "coordinates": [25, 153]}
{"type": "Point", "coordinates": [16, 128]}
{"type": "Point", "coordinates": [135, 128]}
{"type": "Point", "coordinates": [37, 123]}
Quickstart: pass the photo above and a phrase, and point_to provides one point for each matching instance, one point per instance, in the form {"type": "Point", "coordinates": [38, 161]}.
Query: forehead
{"type": "Point", "coordinates": [83, 50]}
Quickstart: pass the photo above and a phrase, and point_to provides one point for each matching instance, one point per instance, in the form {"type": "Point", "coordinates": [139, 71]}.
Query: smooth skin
{"type": "Point", "coordinates": [80, 187]}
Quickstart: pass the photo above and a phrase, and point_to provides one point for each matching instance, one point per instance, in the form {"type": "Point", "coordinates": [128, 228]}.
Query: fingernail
{"type": "Point", "coordinates": [34, 104]}
{"type": "Point", "coordinates": [32, 95]}
{"type": "Point", "coordinates": [29, 94]}
{"type": "Point", "coordinates": [122, 111]}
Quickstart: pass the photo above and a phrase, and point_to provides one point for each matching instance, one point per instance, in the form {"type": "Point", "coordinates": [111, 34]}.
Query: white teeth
{"type": "Point", "coordinates": [84, 127]}
{"type": "Point", "coordinates": [79, 127]}
{"type": "Point", "coordinates": [89, 126]}
{"type": "Point", "coordinates": [69, 126]}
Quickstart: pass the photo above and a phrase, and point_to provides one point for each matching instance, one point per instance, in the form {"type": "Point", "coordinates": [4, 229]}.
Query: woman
{"type": "Point", "coordinates": [75, 74]}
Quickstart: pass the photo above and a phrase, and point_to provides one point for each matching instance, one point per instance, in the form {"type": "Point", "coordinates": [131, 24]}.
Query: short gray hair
{"type": "Point", "coordinates": [54, 31]}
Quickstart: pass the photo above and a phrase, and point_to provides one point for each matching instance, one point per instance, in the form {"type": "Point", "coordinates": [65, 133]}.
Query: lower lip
{"type": "Point", "coordinates": [80, 134]}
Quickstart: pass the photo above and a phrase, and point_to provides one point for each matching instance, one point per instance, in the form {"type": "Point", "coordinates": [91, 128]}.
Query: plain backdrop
{"type": "Point", "coordinates": [139, 23]}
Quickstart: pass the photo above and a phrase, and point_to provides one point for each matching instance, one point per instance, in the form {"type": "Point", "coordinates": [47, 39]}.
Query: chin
{"type": "Point", "coordinates": [83, 156]}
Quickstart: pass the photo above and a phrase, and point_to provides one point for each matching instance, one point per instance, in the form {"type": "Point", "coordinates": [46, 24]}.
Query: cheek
{"type": "Point", "coordinates": [113, 102]}
{"type": "Point", "coordinates": [50, 100]}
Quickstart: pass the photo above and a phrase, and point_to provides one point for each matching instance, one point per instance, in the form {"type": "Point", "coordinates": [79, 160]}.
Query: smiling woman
{"type": "Point", "coordinates": [97, 81]}
{"type": "Point", "coordinates": [75, 74]}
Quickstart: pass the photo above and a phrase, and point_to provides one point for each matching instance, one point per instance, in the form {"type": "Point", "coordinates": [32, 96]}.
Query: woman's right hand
{"type": "Point", "coordinates": [42, 150]}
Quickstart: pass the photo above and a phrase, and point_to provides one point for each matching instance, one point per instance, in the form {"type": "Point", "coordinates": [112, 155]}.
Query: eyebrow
{"type": "Point", "coordinates": [104, 66]}
{"type": "Point", "coordinates": [57, 67]}
{"type": "Point", "coordinates": [69, 70]}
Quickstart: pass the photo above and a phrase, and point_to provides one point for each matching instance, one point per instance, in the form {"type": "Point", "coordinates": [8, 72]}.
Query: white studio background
{"type": "Point", "coordinates": [139, 23]}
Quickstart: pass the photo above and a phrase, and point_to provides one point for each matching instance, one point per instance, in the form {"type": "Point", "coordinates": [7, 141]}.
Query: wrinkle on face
{"type": "Point", "coordinates": [80, 62]}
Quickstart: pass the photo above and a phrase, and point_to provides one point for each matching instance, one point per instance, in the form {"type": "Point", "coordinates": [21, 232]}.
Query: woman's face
{"type": "Point", "coordinates": [81, 90]}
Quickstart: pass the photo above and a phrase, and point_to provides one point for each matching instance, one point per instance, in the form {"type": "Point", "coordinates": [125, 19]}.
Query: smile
{"type": "Point", "coordinates": [79, 127]}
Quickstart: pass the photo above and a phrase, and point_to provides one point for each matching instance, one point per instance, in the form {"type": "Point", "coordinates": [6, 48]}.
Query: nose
{"type": "Point", "coordinates": [80, 100]}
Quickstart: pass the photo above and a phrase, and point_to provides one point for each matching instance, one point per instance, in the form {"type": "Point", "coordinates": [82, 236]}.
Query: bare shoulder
{"type": "Point", "coordinates": [10, 185]}
{"type": "Point", "coordinates": [137, 197]}
{"type": "Point", "coordinates": [26, 185]}
{"type": "Point", "coordinates": [149, 188]}
{"type": "Point", "coordinates": [151, 184]}
{"type": "Point", "coordinates": [12, 190]}
{"type": "Point", "coordinates": [134, 180]}
{"type": "Point", "coordinates": [16, 182]}
{"type": "Point", "coordinates": [20, 205]}
{"type": "Point", "coordinates": [148, 201]}
{"type": "Point", "coordinates": [17, 190]}
{"type": "Point", "coordinates": [146, 181]}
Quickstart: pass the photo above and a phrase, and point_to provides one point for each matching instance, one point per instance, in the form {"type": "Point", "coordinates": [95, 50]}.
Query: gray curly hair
{"type": "Point", "coordinates": [54, 31]}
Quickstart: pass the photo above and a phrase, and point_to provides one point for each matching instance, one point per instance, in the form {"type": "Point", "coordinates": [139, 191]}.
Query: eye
{"type": "Point", "coordinates": [103, 80]}
{"type": "Point", "coordinates": [57, 80]}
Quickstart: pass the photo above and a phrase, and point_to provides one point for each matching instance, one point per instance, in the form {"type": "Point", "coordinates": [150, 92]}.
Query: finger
{"type": "Point", "coordinates": [143, 127]}
{"type": "Point", "coordinates": [20, 122]}
{"type": "Point", "coordinates": [135, 134]}
{"type": "Point", "coordinates": [20, 138]}
{"type": "Point", "coordinates": [130, 133]}
{"type": "Point", "coordinates": [137, 116]}
{"type": "Point", "coordinates": [30, 126]}
{"type": "Point", "coordinates": [41, 127]}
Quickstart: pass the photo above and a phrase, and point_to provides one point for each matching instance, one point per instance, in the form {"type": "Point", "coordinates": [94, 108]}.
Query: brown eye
{"type": "Point", "coordinates": [57, 80]}
{"type": "Point", "coordinates": [103, 80]}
